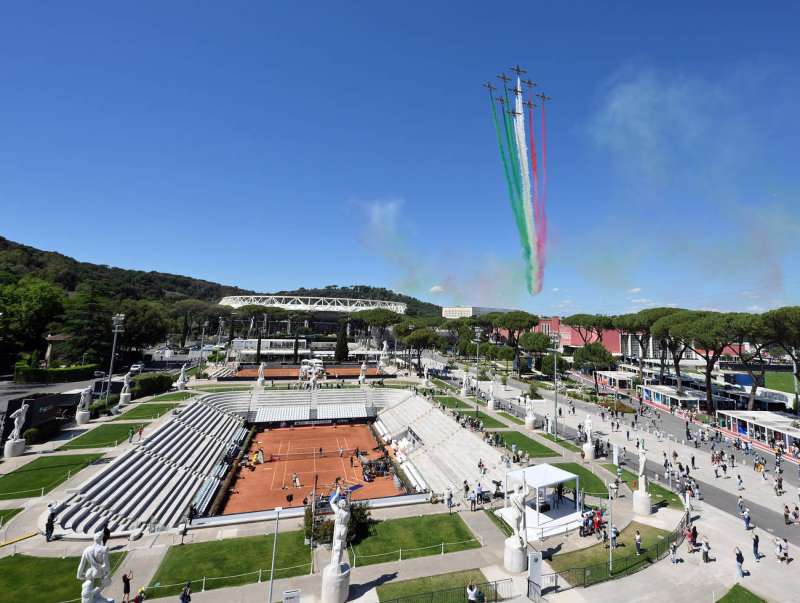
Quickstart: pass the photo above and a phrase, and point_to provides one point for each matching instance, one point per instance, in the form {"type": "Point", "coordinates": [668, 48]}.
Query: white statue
{"type": "Point", "coordinates": [86, 400]}
{"type": "Point", "coordinates": [341, 512]}
{"type": "Point", "coordinates": [517, 500]}
{"type": "Point", "coordinates": [491, 390]}
{"type": "Point", "coordinates": [261, 371]}
{"type": "Point", "coordinates": [384, 353]}
{"type": "Point", "coordinates": [182, 379]}
{"type": "Point", "coordinates": [642, 461]}
{"type": "Point", "coordinates": [126, 383]}
{"type": "Point", "coordinates": [425, 372]}
{"type": "Point", "coordinates": [588, 428]}
{"type": "Point", "coordinates": [19, 420]}
{"type": "Point", "coordinates": [94, 571]}
{"type": "Point", "coordinates": [362, 376]}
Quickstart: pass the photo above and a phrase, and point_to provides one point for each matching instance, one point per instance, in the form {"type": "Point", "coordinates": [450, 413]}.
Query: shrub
{"type": "Point", "coordinates": [23, 374]}
{"type": "Point", "coordinates": [151, 384]}
{"type": "Point", "coordinates": [41, 433]}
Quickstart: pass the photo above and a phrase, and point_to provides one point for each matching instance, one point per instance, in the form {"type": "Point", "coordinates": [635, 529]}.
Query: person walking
{"type": "Point", "coordinates": [126, 586]}
{"type": "Point", "coordinates": [755, 547]}
{"type": "Point", "coordinates": [449, 500]}
{"type": "Point", "coordinates": [638, 542]}
{"type": "Point", "coordinates": [739, 562]}
{"type": "Point", "coordinates": [693, 466]}
{"type": "Point", "coordinates": [186, 593]}
{"type": "Point", "coordinates": [740, 505]}
{"type": "Point", "coordinates": [614, 534]}
{"type": "Point", "coordinates": [472, 500]}
{"type": "Point", "coordinates": [705, 547]}
{"type": "Point", "coordinates": [130, 435]}
{"type": "Point", "coordinates": [673, 552]}
{"type": "Point", "coordinates": [746, 518]}
{"type": "Point", "coordinates": [739, 482]}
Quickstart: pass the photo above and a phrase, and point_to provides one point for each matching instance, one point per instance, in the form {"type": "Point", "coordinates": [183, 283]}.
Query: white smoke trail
{"type": "Point", "coordinates": [524, 168]}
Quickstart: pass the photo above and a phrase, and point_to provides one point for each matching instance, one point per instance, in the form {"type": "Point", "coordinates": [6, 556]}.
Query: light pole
{"type": "Point", "coordinates": [202, 341]}
{"type": "Point", "coordinates": [275, 550]}
{"type": "Point", "coordinates": [555, 338]}
{"type": "Point", "coordinates": [117, 321]}
{"type": "Point", "coordinates": [477, 366]}
{"type": "Point", "coordinates": [612, 491]}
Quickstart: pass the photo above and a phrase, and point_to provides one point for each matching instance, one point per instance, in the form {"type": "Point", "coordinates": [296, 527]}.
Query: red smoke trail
{"type": "Point", "coordinates": [534, 167]}
{"type": "Point", "coordinates": [541, 222]}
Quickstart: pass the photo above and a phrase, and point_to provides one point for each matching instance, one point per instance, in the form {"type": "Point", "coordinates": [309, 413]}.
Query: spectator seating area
{"type": "Point", "coordinates": [448, 453]}
{"type": "Point", "coordinates": [153, 484]}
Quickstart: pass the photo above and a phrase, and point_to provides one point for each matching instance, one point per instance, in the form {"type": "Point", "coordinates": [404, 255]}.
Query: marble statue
{"type": "Point", "coordinates": [384, 353]}
{"type": "Point", "coordinates": [182, 379]}
{"type": "Point", "coordinates": [642, 461]}
{"type": "Point", "coordinates": [362, 375]}
{"type": "Point", "coordinates": [336, 575]}
{"type": "Point", "coordinates": [261, 371]}
{"type": "Point", "coordinates": [126, 384]}
{"type": "Point", "coordinates": [94, 571]}
{"type": "Point", "coordinates": [19, 420]}
{"type": "Point", "coordinates": [642, 500]}
{"type": "Point", "coordinates": [517, 500]}
{"type": "Point", "coordinates": [86, 400]}
{"type": "Point", "coordinates": [588, 428]}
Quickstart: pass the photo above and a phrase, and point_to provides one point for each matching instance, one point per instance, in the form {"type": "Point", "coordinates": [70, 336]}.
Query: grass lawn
{"type": "Point", "coordinates": [386, 537]}
{"type": "Point", "coordinates": [564, 443]}
{"type": "Point", "coordinates": [146, 411]}
{"type": "Point", "coordinates": [229, 558]}
{"type": "Point", "coordinates": [222, 388]}
{"type": "Point", "coordinates": [501, 525]}
{"type": "Point", "coordinates": [512, 418]}
{"type": "Point", "coordinates": [590, 483]}
{"type": "Point", "coordinates": [625, 560]}
{"type": "Point", "coordinates": [739, 594]}
{"type": "Point", "coordinates": [488, 422]}
{"type": "Point", "coordinates": [43, 579]}
{"type": "Point", "coordinates": [44, 472]}
{"type": "Point", "coordinates": [780, 381]}
{"type": "Point", "coordinates": [444, 384]}
{"type": "Point", "coordinates": [173, 397]}
{"type": "Point", "coordinates": [419, 586]}
{"type": "Point", "coordinates": [532, 447]}
{"type": "Point", "coordinates": [7, 514]}
{"type": "Point", "coordinates": [108, 434]}
{"type": "Point", "coordinates": [451, 402]}
{"type": "Point", "coordinates": [659, 494]}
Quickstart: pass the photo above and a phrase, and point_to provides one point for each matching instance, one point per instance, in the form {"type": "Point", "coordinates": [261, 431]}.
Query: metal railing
{"type": "Point", "coordinates": [623, 565]}
{"type": "Point", "coordinates": [499, 590]}
{"type": "Point", "coordinates": [397, 554]}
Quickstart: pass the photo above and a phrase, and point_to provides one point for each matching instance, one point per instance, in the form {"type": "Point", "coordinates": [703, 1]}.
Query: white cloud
{"type": "Point", "coordinates": [436, 289]}
{"type": "Point", "coordinates": [556, 289]}
{"type": "Point", "coordinates": [642, 301]}
{"type": "Point", "coordinates": [635, 290]}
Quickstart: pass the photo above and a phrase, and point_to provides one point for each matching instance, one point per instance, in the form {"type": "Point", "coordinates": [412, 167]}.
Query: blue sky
{"type": "Point", "coordinates": [278, 145]}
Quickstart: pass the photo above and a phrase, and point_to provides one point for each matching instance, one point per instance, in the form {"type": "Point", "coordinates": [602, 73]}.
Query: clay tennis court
{"type": "Point", "coordinates": [269, 484]}
{"type": "Point", "coordinates": [342, 372]}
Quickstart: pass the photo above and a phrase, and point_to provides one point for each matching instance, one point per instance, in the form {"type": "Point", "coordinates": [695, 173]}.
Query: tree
{"type": "Point", "coordinates": [589, 327]}
{"type": "Point", "coordinates": [783, 327]}
{"type": "Point", "coordinates": [190, 311]}
{"type": "Point", "coordinates": [515, 323]}
{"type": "Point", "coordinates": [640, 326]}
{"type": "Point", "coordinates": [378, 319]}
{"type": "Point", "coordinates": [535, 344]}
{"type": "Point", "coordinates": [665, 330]}
{"type": "Point", "coordinates": [342, 350]}
{"type": "Point", "coordinates": [146, 323]}
{"type": "Point", "coordinates": [750, 336]}
{"type": "Point", "coordinates": [595, 356]}
{"type": "Point", "coordinates": [87, 320]}
{"type": "Point", "coordinates": [28, 308]}
{"type": "Point", "coordinates": [423, 339]}
{"type": "Point", "coordinates": [547, 365]}
{"type": "Point", "coordinates": [506, 354]}
{"type": "Point", "coordinates": [707, 334]}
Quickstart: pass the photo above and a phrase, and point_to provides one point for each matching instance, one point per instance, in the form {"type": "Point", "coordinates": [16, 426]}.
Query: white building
{"type": "Point", "coordinates": [468, 311]}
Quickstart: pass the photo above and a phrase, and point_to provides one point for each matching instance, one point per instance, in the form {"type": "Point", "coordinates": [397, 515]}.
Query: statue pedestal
{"type": "Point", "coordinates": [14, 448]}
{"type": "Point", "coordinates": [642, 503]}
{"type": "Point", "coordinates": [181, 385]}
{"type": "Point", "coordinates": [82, 417]}
{"type": "Point", "coordinates": [260, 382]}
{"type": "Point", "coordinates": [588, 451]}
{"type": "Point", "coordinates": [515, 558]}
{"type": "Point", "coordinates": [124, 399]}
{"type": "Point", "coordinates": [490, 404]}
{"type": "Point", "coordinates": [529, 421]}
{"type": "Point", "coordinates": [335, 583]}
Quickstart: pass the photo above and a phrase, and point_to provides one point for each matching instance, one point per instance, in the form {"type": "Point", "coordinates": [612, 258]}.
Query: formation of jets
{"type": "Point", "coordinates": [530, 84]}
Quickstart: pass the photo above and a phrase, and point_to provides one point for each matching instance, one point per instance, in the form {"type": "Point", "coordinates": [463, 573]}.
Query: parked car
{"type": "Point", "coordinates": [99, 374]}
{"type": "Point", "coordinates": [137, 368]}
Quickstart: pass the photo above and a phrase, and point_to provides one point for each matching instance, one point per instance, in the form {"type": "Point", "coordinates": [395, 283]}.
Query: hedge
{"type": "Point", "coordinates": [41, 433]}
{"type": "Point", "coordinates": [151, 384]}
{"type": "Point", "coordinates": [24, 374]}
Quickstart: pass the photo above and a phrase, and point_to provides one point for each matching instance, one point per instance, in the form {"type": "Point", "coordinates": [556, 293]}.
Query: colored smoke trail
{"type": "Point", "coordinates": [522, 171]}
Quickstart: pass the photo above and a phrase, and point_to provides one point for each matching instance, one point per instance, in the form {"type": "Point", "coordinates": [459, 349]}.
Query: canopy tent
{"type": "Point", "coordinates": [544, 514]}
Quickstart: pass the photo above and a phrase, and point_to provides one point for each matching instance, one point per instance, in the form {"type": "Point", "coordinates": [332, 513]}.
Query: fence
{"type": "Point", "coordinates": [397, 555]}
{"type": "Point", "coordinates": [499, 590]}
{"type": "Point", "coordinates": [41, 489]}
{"type": "Point", "coordinates": [622, 566]}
